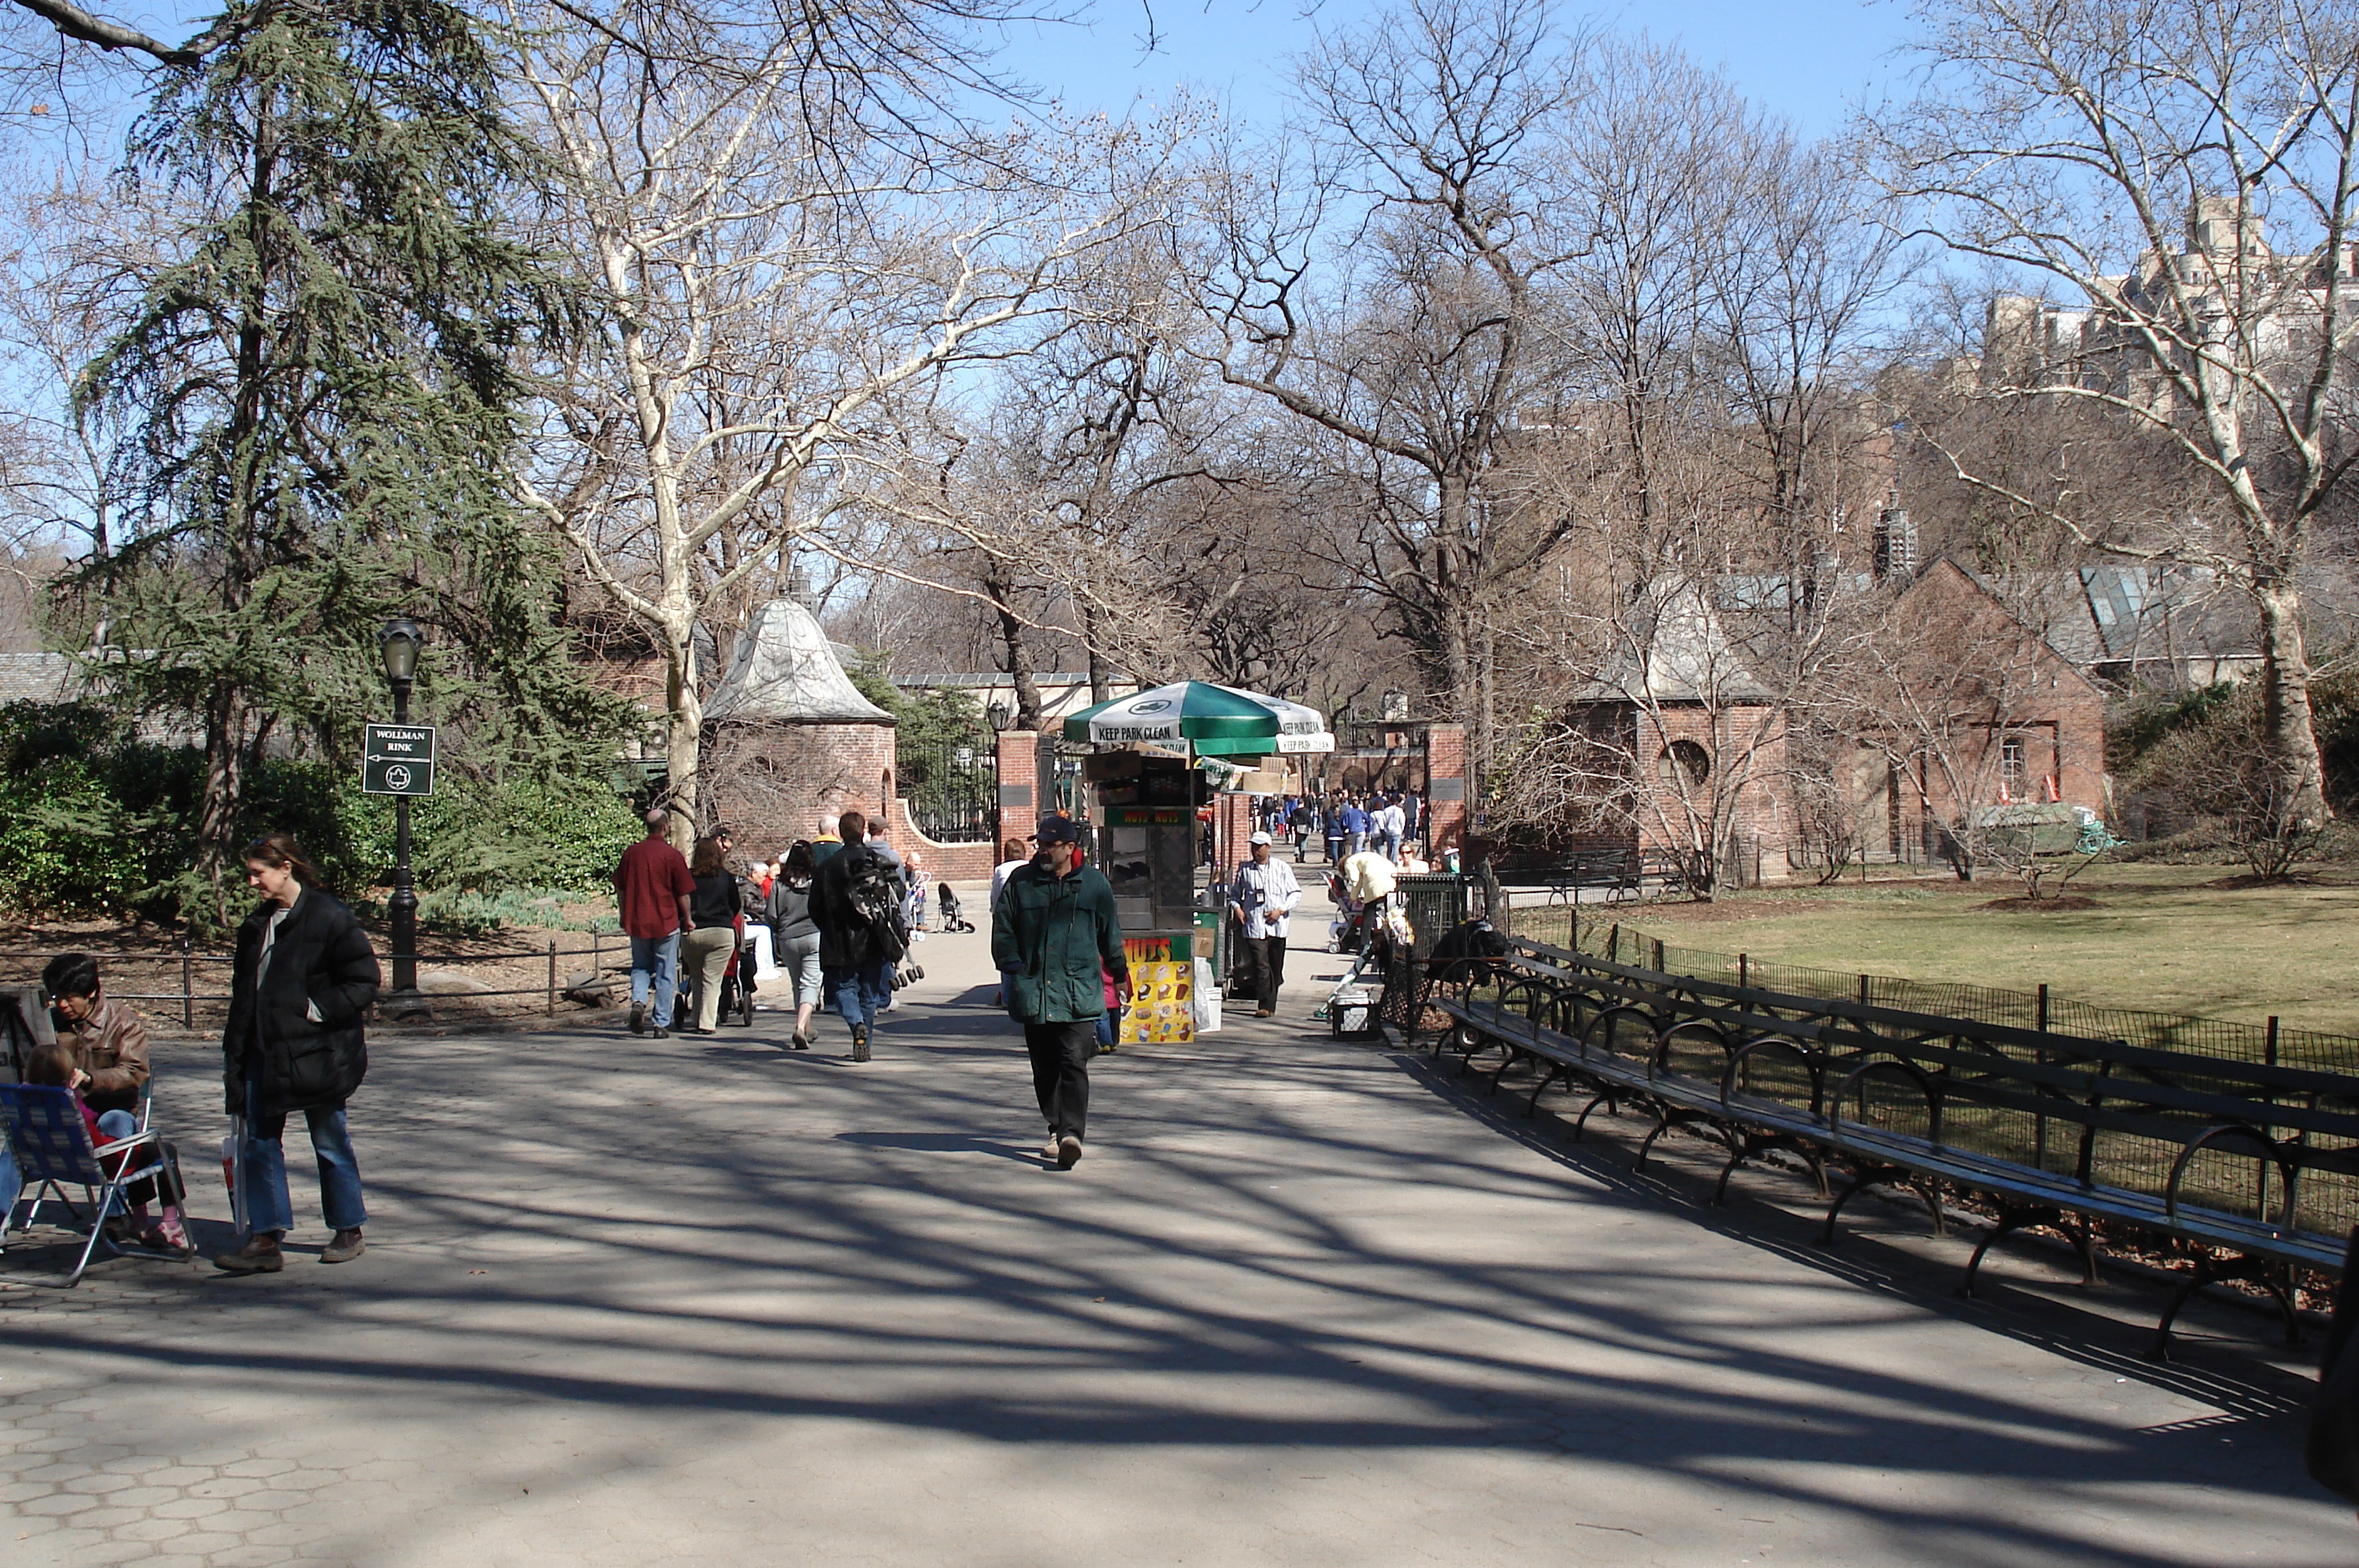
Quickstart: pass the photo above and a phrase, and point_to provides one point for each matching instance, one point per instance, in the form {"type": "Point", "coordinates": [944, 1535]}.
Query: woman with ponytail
{"type": "Point", "coordinates": [305, 976]}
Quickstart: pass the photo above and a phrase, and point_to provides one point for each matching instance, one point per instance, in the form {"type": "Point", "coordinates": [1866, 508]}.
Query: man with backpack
{"type": "Point", "coordinates": [856, 903]}
{"type": "Point", "coordinates": [1055, 937]}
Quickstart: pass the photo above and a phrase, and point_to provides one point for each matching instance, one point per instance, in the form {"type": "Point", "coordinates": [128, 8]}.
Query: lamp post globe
{"type": "Point", "coordinates": [399, 645]}
{"type": "Point", "coordinates": [1000, 717]}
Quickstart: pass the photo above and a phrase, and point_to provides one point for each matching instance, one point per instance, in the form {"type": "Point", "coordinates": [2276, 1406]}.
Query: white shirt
{"type": "Point", "coordinates": [1268, 893]}
{"type": "Point", "coordinates": [999, 876]}
{"type": "Point", "coordinates": [1390, 820]}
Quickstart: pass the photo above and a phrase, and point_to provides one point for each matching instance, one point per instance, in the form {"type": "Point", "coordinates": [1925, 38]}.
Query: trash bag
{"type": "Point", "coordinates": [2333, 1452]}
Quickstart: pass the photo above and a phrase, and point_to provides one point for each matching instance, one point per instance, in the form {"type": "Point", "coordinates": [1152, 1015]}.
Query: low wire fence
{"type": "Point", "coordinates": [148, 975]}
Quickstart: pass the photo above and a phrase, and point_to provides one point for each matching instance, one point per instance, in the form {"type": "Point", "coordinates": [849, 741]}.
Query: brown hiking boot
{"type": "Point", "coordinates": [260, 1254]}
{"type": "Point", "coordinates": [346, 1247]}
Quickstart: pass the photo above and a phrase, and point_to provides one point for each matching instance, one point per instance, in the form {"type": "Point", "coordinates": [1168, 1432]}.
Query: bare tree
{"type": "Point", "coordinates": [790, 249]}
{"type": "Point", "coordinates": [76, 252]}
{"type": "Point", "coordinates": [2128, 155]}
{"type": "Point", "coordinates": [1385, 285]}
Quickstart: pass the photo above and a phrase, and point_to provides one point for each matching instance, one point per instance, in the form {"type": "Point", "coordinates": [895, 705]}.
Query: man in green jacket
{"type": "Point", "coordinates": [1054, 935]}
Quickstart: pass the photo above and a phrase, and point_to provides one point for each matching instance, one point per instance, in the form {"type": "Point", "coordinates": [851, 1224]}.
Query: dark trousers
{"type": "Point", "coordinates": [1060, 1072]}
{"type": "Point", "coordinates": [1265, 966]}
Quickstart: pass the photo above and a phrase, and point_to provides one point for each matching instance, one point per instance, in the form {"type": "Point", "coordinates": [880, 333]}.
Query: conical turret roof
{"type": "Point", "coordinates": [784, 672]}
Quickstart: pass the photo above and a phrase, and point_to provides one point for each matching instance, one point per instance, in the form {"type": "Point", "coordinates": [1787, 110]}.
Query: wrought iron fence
{"type": "Point", "coordinates": [953, 791]}
{"type": "Point", "coordinates": [2267, 1042]}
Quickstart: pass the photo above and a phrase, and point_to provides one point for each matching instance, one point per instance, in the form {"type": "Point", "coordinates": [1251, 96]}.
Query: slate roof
{"type": "Point", "coordinates": [1683, 654]}
{"type": "Point", "coordinates": [38, 677]}
{"type": "Point", "coordinates": [785, 671]}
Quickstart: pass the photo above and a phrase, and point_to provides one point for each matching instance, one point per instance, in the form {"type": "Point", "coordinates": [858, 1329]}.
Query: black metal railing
{"type": "Point", "coordinates": [953, 791]}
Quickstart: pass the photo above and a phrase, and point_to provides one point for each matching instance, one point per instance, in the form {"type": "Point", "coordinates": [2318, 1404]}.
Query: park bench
{"type": "Point", "coordinates": [1617, 871]}
{"type": "Point", "coordinates": [2246, 1167]}
{"type": "Point", "coordinates": [1622, 874]}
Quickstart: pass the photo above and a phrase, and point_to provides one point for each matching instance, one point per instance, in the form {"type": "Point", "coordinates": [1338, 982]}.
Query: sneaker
{"type": "Point", "coordinates": [802, 1041]}
{"type": "Point", "coordinates": [659, 1032]}
{"type": "Point", "coordinates": [260, 1254]}
{"type": "Point", "coordinates": [860, 1043]}
{"type": "Point", "coordinates": [1049, 1149]}
{"type": "Point", "coordinates": [1069, 1152]}
{"type": "Point", "coordinates": [638, 1017]}
{"type": "Point", "coordinates": [346, 1247]}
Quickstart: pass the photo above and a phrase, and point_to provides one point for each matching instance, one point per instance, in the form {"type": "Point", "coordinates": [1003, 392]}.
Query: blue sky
{"type": "Point", "coordinates": [1805, 59]}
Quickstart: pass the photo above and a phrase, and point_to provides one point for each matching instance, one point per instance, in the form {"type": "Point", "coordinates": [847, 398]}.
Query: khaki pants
{"type": "Point", "coordinates": [705, 955]}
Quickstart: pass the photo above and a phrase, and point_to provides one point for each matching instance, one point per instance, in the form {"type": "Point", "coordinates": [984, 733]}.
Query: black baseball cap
{"type": "Point", "coordinates": [1060, 829]}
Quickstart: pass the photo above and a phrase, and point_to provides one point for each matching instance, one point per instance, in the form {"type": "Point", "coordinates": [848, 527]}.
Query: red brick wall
{"type": "Point", "coordinates": [779, 780]}
{"type": "Point", "coordinates": [943, 862]}
{"type": "Point", "coordinates": [1019, 783]}
{"type": "Point", "coordinates": [771, 783]}
{"type": "Point", "coordinates": [1232, 822]}
{"type": "Point", "coordinates": [1762, 812]}
{"type": "Point", "coordinates": [1448, 788]}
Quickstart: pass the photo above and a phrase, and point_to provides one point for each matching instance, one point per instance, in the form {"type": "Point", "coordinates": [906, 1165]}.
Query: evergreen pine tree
{"type": "Point", "coordinates": [320, 383]}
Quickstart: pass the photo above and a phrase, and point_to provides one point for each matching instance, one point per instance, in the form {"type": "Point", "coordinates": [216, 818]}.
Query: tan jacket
{"type": "Point", "coordinates": [111, 1045]}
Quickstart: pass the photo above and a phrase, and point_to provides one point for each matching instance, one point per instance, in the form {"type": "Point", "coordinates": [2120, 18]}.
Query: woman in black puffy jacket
{"type": "Point", "coordinates": [304, 977]}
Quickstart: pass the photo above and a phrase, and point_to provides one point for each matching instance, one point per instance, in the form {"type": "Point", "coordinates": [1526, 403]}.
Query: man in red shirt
{"type": "Point", "coordinates": [652, 886]}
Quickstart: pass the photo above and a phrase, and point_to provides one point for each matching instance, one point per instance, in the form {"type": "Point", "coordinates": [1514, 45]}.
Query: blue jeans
{"type": "Point", "coordinates": [262, 1168]}
{"type": "Point", "coordinates": [860, 994]}
{"type": "Point", "coordinates": [1392, 847]}
{"type": "Point", "coordinates": [655, 966]}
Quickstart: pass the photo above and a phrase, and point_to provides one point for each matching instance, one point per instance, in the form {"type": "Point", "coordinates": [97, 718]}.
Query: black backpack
{"type": "Point", "coordinates": [873, 890]}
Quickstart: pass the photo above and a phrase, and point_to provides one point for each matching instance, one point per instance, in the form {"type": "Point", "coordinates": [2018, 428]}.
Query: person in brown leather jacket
{"type": "Point", "coordinates": [108, 1039]}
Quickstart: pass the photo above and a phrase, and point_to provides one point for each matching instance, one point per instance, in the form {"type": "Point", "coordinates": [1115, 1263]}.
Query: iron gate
{"type": "Point", "coordinates": [953, 791]}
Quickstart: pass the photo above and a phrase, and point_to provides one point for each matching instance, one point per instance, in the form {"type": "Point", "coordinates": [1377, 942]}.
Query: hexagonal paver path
{"type": "Point", "coordinates": [1305, 1302]}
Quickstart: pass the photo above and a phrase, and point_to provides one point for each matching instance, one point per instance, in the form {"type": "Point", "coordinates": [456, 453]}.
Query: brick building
{"type": "Point", "coordinates": [1683, 749]}
{"type": "Point", "coordinates": [788, 739]}
{"type": "Point", "coordinates": [1995, 717]}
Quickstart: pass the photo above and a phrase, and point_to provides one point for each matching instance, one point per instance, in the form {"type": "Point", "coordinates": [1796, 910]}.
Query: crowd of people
{"type": "Point", "coordinates": [1343, 823]}
{"type": "Point", "coordinates": [840, 911]}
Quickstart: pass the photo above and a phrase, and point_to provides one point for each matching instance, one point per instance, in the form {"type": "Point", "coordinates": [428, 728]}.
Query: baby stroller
{"type": "Point", "coordinates": [1348, 931]}
{"type": "Point", "coordinates": [953, 918]}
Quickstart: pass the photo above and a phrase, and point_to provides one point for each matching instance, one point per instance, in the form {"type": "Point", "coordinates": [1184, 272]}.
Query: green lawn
{"type": "Point", "coordinates": [2158, 940]}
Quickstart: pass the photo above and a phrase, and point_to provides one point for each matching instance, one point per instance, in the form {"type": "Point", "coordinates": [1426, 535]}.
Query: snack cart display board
{"type": "Point", "coordinates": [1163, 990]}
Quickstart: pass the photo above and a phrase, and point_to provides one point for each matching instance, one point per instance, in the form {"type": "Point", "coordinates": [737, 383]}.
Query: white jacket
{"type": "Point", "coordinates": [1268, 893]}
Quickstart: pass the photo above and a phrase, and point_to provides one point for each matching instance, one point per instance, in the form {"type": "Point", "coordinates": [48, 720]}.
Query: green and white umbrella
{"type": "Point", "coordinates": [1215, 720]}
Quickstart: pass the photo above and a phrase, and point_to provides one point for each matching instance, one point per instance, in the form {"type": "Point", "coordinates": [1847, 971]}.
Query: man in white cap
{"type": "Point", "coordinates": [1262, 898]}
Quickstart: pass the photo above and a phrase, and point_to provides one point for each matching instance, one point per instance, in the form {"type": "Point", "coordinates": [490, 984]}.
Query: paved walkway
{"type": "Point", "coordinates": [1304, 1303]}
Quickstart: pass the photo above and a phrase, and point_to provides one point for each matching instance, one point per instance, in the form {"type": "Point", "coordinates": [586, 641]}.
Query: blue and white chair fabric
{"type": "Point", "coordinates": [52, 1147]}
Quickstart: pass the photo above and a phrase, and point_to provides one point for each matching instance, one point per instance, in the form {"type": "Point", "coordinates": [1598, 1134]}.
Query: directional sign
{"type": "Point", "coordinates": [398, 759]}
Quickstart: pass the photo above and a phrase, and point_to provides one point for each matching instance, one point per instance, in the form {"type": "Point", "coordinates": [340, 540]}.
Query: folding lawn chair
{"type": "Point", "coordinates": [52, 1145]}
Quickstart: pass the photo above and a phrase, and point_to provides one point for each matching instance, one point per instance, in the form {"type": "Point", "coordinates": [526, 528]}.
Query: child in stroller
{"type": "Point", "coordinates": [953, 918]}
